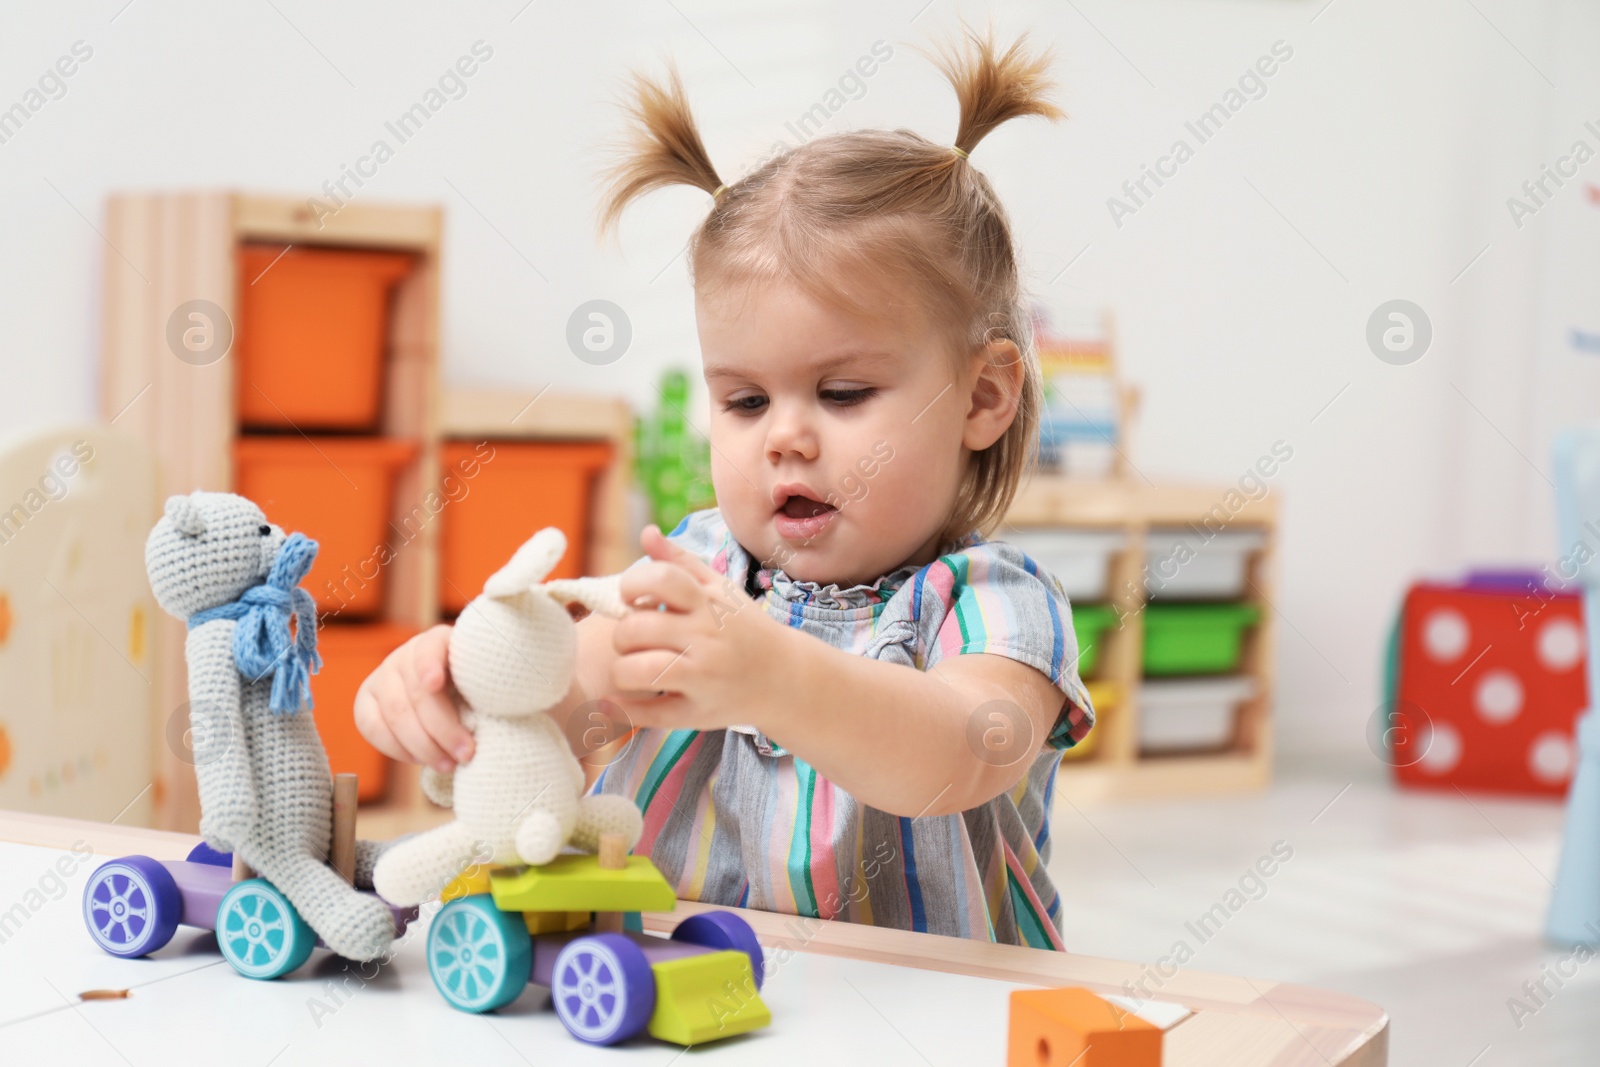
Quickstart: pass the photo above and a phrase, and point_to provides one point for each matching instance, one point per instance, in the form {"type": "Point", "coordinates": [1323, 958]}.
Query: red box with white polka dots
{"type": "Point", "coordinates": [1490, 684]}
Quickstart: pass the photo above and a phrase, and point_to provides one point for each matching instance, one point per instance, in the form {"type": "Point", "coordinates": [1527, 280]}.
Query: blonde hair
{"type": "Point", "coordinates": [874, 204]}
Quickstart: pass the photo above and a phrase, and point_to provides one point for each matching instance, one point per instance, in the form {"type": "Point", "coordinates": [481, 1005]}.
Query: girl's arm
{"type": "Point", "coordinates": [905, 741]}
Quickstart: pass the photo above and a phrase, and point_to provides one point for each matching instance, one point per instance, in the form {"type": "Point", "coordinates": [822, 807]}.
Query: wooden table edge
{"type": "Point", "coordinates": [1364, 1024]}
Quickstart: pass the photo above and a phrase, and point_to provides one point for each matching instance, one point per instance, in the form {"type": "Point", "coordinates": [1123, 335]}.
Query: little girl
{"type": "Point", "coordinates": [847, 702]}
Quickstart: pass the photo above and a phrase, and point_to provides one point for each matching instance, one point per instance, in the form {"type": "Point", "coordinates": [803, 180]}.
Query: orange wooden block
{"type": "Point", "coordinates": [1062, 1027]}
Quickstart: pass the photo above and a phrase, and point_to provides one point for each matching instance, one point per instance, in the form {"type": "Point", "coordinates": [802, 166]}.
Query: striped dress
{"type": "Point", "coordinates": [732, 818]}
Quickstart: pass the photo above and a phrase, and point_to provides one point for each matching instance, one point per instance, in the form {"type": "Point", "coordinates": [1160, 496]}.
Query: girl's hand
{"type": "Point", "coordinates": [407, 709]}
{"type": "Point", "coordinates": [700, 654]}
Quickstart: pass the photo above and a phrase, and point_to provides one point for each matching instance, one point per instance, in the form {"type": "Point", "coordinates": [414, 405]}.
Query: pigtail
{"type": "Point", "coordinates": [663, 148]}
{"type": "Point", "coordinates": [994, 87]}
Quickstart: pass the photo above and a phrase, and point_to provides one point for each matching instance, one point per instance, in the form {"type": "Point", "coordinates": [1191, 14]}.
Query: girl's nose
{"type": "Point", "coordinates": [790, 435]}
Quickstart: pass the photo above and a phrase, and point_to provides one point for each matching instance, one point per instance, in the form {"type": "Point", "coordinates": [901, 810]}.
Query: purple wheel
{"type": "Point", "coordinates": [204, 853]}
{"type": "Point", "coordinates": [724, 930]}
{"type": "Point", "coordinates": [131, 906]}
{"type": "Point", "coordinates": [603, 989]}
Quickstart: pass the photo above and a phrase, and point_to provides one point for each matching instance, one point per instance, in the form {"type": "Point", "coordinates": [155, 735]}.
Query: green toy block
{"type": "Point", "coordinates": [578, 883]}
{"type": "Point", "coordinates": [706, 997]}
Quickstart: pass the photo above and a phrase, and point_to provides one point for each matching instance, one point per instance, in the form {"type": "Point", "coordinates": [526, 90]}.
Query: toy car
{"type": "Point", "coordinates": [133, 905]}
{"type": "Point", "coordinates": [559, 925]}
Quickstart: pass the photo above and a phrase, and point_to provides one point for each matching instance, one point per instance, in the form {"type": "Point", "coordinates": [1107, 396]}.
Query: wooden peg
{"type": "Point", "coordinates": [241, 869]}
{"type": "Point", "coordinates": [613, 852]}
{"type": "Point", "coordinates": [613, 856]}
{"type": "Point", "coordinates": [342, 854]}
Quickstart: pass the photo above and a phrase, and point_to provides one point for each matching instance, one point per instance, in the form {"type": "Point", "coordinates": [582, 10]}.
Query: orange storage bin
{"type": "Point", "coordinates": [507, 496]}
{"type": "Point", "coordinates": [339, 491]}
{"type": "Point", "coordinates": [311, 336]}
{"type": "Point", "coordinates": [350, 652]}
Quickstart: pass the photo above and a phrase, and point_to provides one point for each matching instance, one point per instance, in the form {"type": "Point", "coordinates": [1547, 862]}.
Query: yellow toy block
{"type": "Point", "coordinates": [473, 880]}
{"type": "Point", "coordinates": [706, 997]}
{"type": "Point", "coordinates": [1058, 1027]}
{"type": "Point", "coordinates": [555, 922]}
{"type": "Point", "coordinates": [579, 883]}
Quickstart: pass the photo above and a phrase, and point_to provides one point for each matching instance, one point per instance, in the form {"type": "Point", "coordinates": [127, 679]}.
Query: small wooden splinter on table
{"type": "Point", "coordinates": [613, 856]}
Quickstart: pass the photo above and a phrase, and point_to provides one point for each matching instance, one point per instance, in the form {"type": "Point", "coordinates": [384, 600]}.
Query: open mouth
{"type": "Point", "coordinates": [803, 507]}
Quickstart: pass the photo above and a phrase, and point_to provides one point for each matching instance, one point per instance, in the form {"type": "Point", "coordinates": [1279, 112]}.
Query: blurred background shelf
{"type": "Point", "coordinates": [1193, 714]}
{"type": "Point", "coordinates": [194, 353]}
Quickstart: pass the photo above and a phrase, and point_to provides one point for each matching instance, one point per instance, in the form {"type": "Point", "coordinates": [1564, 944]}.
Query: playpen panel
{"type": "Point", "coordinates": [77, 626]}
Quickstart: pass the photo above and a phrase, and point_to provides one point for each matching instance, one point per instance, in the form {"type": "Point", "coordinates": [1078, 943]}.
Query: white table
{"type": "Point", "coordinates": [844, 993]}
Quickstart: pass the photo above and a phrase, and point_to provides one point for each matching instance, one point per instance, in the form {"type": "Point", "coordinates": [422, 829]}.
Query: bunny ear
{"type": "Point", "coordinates": [185, 514]}
{"type": "Point", "coordinates": [532, 561]}
{"type": "Point", "coordinates": [597, 594]}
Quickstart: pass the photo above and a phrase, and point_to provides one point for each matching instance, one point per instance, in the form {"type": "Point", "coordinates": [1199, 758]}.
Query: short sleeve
{"type": "Point", "coordinates": [704, 534]}
{"type": "Point", "coordinates": [991, 597]}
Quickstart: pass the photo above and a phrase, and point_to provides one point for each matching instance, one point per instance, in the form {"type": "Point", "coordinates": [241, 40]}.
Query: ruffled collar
{"type": "Point", "coordinates": [831, 596]}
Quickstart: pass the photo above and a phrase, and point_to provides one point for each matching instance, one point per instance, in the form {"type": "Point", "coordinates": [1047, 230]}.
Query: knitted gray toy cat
{"type": "Point", "coordinates": [266, 792]}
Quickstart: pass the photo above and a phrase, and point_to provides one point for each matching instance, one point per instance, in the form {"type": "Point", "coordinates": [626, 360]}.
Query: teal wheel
{"type": "Point", "coordinates": [260, 933]}
{"type": "Point", "coordinates": [478, 955]}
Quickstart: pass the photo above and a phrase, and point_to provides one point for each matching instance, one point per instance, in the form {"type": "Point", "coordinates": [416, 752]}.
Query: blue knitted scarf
{"type": "Point", "coordinates": [261, 642]}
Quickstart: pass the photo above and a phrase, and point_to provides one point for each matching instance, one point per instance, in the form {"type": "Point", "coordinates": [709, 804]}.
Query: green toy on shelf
{"type": "Point", "coordinates": [672, 459]}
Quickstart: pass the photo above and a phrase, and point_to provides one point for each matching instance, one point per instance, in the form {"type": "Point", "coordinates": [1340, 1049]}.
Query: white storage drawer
{"type": "Point", "coordinates": [1079, 558]}
{"type": "Point", "coordinates": [1190, 714]}
{"type": "Point", "coordinates": [1180, 564]}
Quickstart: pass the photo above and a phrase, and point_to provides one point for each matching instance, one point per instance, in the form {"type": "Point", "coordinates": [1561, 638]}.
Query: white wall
{"type": "Point", "coordinates": [1376, 166]}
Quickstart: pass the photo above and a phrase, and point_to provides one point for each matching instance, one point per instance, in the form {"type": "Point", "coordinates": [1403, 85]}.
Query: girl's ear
{"type": "Point", "coordinates": [594, 594]}
{"type": "Point", "coordinates": [997, 376]}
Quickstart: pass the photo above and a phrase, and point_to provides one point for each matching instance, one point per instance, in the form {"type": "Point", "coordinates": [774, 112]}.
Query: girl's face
{"type": "Point", "coordinates": [836, 441]}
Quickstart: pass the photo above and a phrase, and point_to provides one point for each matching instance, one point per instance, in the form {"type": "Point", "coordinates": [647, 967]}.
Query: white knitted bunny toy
{"type": "Point", "coordinates": [520, 798]}
{"type": "Point", "coordinates": [266, 793]}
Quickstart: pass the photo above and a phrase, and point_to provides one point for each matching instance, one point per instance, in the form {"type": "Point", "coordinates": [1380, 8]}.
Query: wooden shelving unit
{"type": "Point", "coordinates": [1116, 769]}
{"type": "Point", "coordinates": [172, 248]}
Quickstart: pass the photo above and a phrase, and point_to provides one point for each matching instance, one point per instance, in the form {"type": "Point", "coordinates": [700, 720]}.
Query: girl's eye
{"type": "Point", "coordinates": [263, 530]}
{"type": "Point", "coordinates": [754, 403]}
{"type": "Point", "coordinates": [848, 397]}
